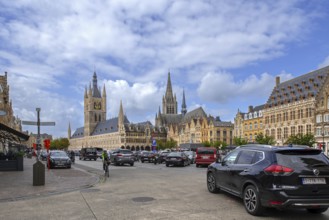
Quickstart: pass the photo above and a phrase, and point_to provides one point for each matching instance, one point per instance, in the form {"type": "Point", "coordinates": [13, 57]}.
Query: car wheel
{"type": "Point", "coordinates": [167, 165]}
{"type": "Point", "coordinates": [69, 167]}
{"type": "Point", "coordinates": [131, 164]}
{"type": "Point", "coordinates": [318, 210]}
{"type": "Point", "coordinates": [79, 158]}
{"type": "Point", "coordinates": [251, 201]}
{"type": "Point", "coordinates": [142, 161]}
{"type": "Point", "coordinates": [84, 158]}
{"type": "Point", "coordinates": [211, 183]}
{"type": "Point", "coordinates": [197, 165]}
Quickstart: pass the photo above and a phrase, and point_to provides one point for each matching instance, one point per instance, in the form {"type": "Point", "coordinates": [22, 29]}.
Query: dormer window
{"type": "Point", "coordinates": [255, 114]}
{"type": "Point", "coordinates": [246, 117]}
{"type": "Point", "coordinates": [260, 113]}
{"type": "Point", "coordinates": [250, 115]}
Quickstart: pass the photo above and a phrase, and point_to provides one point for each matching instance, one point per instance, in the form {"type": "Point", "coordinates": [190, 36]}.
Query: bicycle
{"type": "Point", "coordinates": [106, 169]}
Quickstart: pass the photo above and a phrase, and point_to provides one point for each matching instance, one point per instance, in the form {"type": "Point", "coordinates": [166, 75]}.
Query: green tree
{"type": "Point", "coordinates": [301, 139]}
{"type": "Point", "coordinates": [261, 139]}
{"type": "Point", "coordinates": [239, 141]}
{"type": "Point", "coordinates": [59, 144]}
{"type": "Point", "coordinates": [206, 144]}
{"type": "Point", "coordinates": [171, 143]}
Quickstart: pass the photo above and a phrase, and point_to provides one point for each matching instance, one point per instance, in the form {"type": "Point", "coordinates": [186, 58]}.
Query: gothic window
{"type": "Point", "coordinates": [95, 118]}
{"type": "Point", "coordinates": [308, 129]}
{"type": "Point", "coordinates": [279, 133]}
{"type": "Point", "coordinates": [285, 133]}
{"type": "Point", "coordinates": [293, 130]}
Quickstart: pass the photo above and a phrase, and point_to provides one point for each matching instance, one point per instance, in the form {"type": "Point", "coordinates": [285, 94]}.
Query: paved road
{"type": "Point", "coordinates": [144, 191]}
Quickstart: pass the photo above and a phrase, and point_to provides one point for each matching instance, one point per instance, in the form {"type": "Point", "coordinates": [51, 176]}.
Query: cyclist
{"type": "Point", "coordinates": [106, 160]}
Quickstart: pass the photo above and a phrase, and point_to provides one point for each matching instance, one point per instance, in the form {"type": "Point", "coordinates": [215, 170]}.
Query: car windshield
{"type": "Point", "coordinates": [58, 154]}
{"type": "Point", "coordinates": [175, 154]}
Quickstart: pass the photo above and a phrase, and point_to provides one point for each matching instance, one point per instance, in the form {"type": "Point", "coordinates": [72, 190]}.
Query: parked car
{"type": "Point", "coordinates": [99, 152]}
{"type": "Point", "coordinates": [89, 153]}
{"type": "Point", "coordinates": [191, 155]}
{"type": "Point", "coordinates": [177, 159]}
{"type": "Point", "coordinates": [162, 156]}
{"type": "Point", "coordinates": [271, 176]}
{"type": "Point", "coordinates": [205, 156]}
{"type": "Point", "coordinates": [122, 156]}
{"type": "Point", "coordinates": [58, 159]}
{"type": "Point", "coordinates": [148, 156]}
{"type": "Point", "coordinates": [136, 155]}
{"type": "Point", "coordinates": [43, 155]}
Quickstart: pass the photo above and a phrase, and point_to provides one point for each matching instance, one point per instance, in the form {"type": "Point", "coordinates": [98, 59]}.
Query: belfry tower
{"type": "Point", "coordinates": [94, 107]}
{"type": "Point", "coordinates": [169, 103]}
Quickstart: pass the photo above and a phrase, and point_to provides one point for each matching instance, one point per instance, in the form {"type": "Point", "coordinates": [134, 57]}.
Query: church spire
{"type": "Point", "coordinates": [169, 88]}
{"type": "Point", "coordinates": [69, 131]}
{"type": "Point", "coordinates": [184, 110]}
{"type": "Point", "coordinates": [121, 115]}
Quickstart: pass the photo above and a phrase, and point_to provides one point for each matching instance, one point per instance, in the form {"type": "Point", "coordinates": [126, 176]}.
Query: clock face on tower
{"type": "Point", "coordinates": [97, 105]}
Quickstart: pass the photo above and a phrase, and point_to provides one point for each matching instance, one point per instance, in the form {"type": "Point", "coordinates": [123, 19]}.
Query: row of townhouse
{"type": "Point", "coordinates": [296, 106]}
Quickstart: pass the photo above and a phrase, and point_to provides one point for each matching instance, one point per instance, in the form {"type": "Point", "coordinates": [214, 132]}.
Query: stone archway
{"type": "Point", "coordinates": [147, 148]}
{"type": "Point", "coordinates": [133, 148]}
{"type": "Point", "coordinates": [122, 147]}
{"type": "Point", "coordinates": [128, 147]}
{"type": "Point", "coordinates": [142, 148]}
{"type": "Point", "coordinates": [137, 148]}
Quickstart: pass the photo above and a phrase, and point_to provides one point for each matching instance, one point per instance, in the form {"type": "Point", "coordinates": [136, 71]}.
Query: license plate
{"type": "Point", "coordinates": [307, 181]}
{"type": "Point", "coordinates": [173, 158]}
{"type": "Point", "coordinates": [205, 157]}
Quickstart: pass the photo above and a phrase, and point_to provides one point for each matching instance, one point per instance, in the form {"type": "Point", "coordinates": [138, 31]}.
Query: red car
{"type": "Point", "coordinates": [205, 156]}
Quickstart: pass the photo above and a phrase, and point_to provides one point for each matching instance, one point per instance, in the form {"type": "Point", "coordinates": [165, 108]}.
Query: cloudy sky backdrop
{"type": "Point", "coordinates": [225, 54]}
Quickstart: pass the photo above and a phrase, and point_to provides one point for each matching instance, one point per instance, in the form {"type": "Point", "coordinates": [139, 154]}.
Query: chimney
{"type": "Point", "coordinates": [251, 108]}
{"type": "Point", "coordinates": [277, 81]}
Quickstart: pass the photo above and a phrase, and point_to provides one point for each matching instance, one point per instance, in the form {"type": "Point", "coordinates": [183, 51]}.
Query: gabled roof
{"type": "Point", "coordinates": [302, 87]}
{"type": "Point", "coordinates": [104, 127]}
{"type": "Point", "coordinates": [196, 113]}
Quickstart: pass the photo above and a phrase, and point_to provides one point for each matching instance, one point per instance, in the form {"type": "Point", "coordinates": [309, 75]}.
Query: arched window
{"type": "Point", "coordinates": [95, 118]}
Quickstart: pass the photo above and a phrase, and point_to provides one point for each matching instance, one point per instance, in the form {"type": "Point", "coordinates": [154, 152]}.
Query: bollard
{"type": "Point", "coordinates": [38, 174]}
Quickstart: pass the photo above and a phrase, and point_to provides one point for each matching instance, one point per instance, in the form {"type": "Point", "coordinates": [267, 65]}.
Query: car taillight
{"type": "Point", "coordinates": [215, 156]}
{"type": "Point", "coordinates": [276, 170]}
{"type": "Point", "coordinates": [119, 155]}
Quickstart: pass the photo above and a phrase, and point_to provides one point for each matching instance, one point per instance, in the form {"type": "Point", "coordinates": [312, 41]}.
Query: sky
{"type": "Point", "coordinates": [225, 54]}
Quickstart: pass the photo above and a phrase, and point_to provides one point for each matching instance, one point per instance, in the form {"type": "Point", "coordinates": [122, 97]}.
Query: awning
{"type": "Point", "coordinates": [7, 133]}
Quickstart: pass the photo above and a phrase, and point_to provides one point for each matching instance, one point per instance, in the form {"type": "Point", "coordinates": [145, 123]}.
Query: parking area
{"type": "Point", "coordinates": [142, 191]}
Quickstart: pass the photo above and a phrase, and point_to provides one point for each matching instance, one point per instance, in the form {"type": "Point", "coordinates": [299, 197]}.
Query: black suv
{"type": "Point", "coordinates": [89, 153]}
{"type": "Point", "coordinates": [271, 176]}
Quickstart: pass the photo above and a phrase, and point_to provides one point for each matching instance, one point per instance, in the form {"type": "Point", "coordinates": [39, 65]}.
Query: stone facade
{"type": "Point", "coordinates": [249, 125]}
{"type": "Point", "coordinates": [7, 118]}
{"type": "Point", "coordinates": [111, 133]}
{"type": "Point", "coordinates": [296, 106]}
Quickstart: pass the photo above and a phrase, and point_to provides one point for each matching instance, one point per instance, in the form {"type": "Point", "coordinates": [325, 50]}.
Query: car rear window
{"type": "Point", "coordinates": [206, 151]}
{"type": "Point", "coordinates": [301, 158]}
{"type": "Point", "coordinates": [126, 152]}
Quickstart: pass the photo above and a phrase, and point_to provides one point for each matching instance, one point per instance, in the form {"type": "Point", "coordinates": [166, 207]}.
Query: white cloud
{"type": "Point", "coordinates": [50, 50]}
{"type": "Point", "coordinates": [223, 87]}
